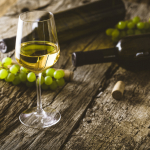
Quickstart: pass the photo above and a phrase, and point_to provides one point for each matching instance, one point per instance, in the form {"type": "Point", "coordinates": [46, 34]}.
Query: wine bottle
{"type": "Point", "coordinates": [77, 22]}
{"type": "Point", "coordinates": [135, 48]}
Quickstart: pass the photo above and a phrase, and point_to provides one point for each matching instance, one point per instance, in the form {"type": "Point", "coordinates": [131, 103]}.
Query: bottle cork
{"type": "Point", "coordinates": [68, 74]}
{"type": "Point", "coordinates": [118, 90]}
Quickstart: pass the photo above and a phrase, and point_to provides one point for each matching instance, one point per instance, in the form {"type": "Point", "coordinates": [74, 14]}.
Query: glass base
{"type": "Point", "coordinates": [46, 118]}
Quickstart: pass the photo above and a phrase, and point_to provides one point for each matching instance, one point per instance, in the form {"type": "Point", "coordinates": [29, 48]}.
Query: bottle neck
{"type": "Point", "coordinates": [94, 57]}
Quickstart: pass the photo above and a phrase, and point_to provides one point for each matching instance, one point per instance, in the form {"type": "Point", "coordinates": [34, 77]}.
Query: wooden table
{"type": "Point", "coordinates": [91, 118]}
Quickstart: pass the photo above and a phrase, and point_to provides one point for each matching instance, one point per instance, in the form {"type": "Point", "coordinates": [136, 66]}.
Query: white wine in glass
{"type": "Point", "coordinates": [37, 49]}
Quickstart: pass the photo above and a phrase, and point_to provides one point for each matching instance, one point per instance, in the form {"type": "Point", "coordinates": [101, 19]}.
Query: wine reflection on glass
{"type": "Point", "coordinates": [37, 49]}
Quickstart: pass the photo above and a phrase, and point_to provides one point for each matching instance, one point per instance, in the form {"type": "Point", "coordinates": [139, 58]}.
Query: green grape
{"type": "Point", "coordinates": [136, 19]}
{"type": "Point", "coordinates": [16, 81]}
{"type": "Point", "coordinates": [137, 32]}
{"type": "Point", "coordinates": [48, 80]}
{"type": "Point", "coordinates": [23, 76]}
{"type": "Point", "coordinates": [42, 80]}
{"type": "Point", "coordinates": [60, 82]}
{"type": "Point", "coordinates": [131, 25]}
{"type": "Point", "coordinates": [58, 74]}
{"type": "Point", "coordinates": [17, 66]}
{"type": "Point", "coordinates": [122, 34]}
{"type": "Point", "coordinates": [62, 73]}
{"type": "Point", "coordinates": [50, 72]}
{"type": "Point", "coordinates": [24, 70]}
{"type": "Point", "coordinates": [121, 25]}
{"type": "Point", "coordinates": [140, 25]}
{"type": "Point", "coordinates": [10, 77]}
{"type": "Point", "coordinates": [115, 33]}
{"type": "Point", "coordinates": [6, 61]}
{"type": "Point", "coordinates": [31, 77]}
{"type": "Point", "coordinates": [109, 31]}
{"type": "Point", "coordinates": [146, 26]}
{"type": "Point", "coordinates": [54, 85]}
{"type": "Point", "coordinates": [130, 32]}
{"type": "Point", "coordinates": [0, 64]}
{"type": "Point", "coordinates": [44, 86]}
{"type": "Point", "coordinates": [13, 69]}
{"type": "Point", "coordinates": [3, 73]}
{"type": "Point", "coordinates": [5, 66]}
{"type": "Point", "coordinates": [29, 84]}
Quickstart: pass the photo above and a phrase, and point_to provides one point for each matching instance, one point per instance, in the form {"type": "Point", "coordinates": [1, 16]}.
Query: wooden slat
{"type": "Point", "coordinates": [124, 124]}
{"type": "Point", "coordinates": [72, 102]}
{"type": "Point", "coordinates": [49, 5]}
{"type": "Point", "coordinates": [22, 102]}
{"type": "Point", "coordinates": [93, 17]}
{"type": "Point", "coordinates": [108, 124]}
{"type": "Point", "coordinates": [113, 124]}
{"type": "Point", "coordinates": [5, 5]}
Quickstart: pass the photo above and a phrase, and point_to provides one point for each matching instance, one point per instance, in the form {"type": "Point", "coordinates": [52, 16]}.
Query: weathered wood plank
{"type": "Point", "coordinates": [5, 5]}
{"type": "Point", "coordinates": [56, 140]}
{"type": "Point", "coordinates": [108, 124]}
{"type": "Point", "coordinates": [14, 100]}
{"type": "Point", "coordinates": [49, 5]}
{"type": "Point", "coordinates": [72, 101]}
{"type": "Point", "coordinates": [26, 5]}
{"type": "Point", "coordinates": [93, 17]}
{"type": "Point", "coordinates": [112, 124]}
{"type": "Point", "coordinates": [137, 8]}
{"type": "Point", "coordinates": [8, 23]}
{"type": "Point", "coordinates": [6, 131]}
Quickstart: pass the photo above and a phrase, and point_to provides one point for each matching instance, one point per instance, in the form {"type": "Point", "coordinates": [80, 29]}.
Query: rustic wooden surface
{"type": "Point", "coordinates": [5, 5]}
{"type": "Point", "coordinates": [91, 118]}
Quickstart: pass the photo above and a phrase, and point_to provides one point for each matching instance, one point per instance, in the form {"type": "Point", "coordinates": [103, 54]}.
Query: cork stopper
{"type": "Point", "coordinates": [118, 90]}
{"type": "Point", "coordinates": [68, 75]}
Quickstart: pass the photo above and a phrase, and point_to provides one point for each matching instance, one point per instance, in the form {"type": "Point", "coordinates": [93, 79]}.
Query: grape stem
{"type": "Point", "coordinates": [38, 90]}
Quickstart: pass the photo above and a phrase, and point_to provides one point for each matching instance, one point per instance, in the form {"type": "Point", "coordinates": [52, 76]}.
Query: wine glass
{"type": "Point", "coordinates": [37, 49]}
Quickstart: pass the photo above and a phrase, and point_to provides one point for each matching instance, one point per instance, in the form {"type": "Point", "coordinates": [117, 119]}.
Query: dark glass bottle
{"type": "Point", "coordinates": [129, 49]}
{"type": "Point", "coordinates": [100, 15]}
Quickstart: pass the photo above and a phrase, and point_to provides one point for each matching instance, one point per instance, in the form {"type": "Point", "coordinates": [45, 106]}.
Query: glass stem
{"type": "Point", "coordinates": [38, 90]}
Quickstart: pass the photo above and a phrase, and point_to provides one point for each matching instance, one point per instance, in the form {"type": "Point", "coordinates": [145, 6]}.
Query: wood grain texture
{"type": "Point", "coordinates": [112, 124]}
{"type": "Point", "coordinates": [82, 19]}
{"type": "Point", "coordinates": [91, 118]}
{"type": "Point", "coordinates": [93, 17]}
{"type": "Point", "coordinates": [70, 100]}
{"type": "Point", "coordinates": [137, 8]}
{"type": "Point", "coordinates": [49, 5]}
{"type": "Point", "coordinates": [5, 5]}
{"type": "Point", "coordinates": [124, 124]}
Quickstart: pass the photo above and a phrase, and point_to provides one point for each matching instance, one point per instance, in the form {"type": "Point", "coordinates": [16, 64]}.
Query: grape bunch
{"type": "Point", "coordinates": [128, 27]}
{"type": "Point", "coordinates": [13, 73]}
